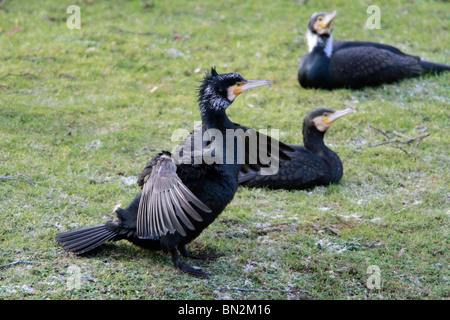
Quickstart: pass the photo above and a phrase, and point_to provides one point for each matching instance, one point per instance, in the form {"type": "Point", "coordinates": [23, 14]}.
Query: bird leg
{"type": "Point", "coordinates": [193, 271]}
{"type": "Point", "coordinates": [202, 257]}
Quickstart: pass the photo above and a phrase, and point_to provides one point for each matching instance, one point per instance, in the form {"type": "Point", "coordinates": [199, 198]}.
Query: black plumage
{"type": "Point", "coordinates": [178, 199]}
{"type": "Point", "coordinates": [354, 64]}
{"type": "Point", "coordinates": [312, 165]}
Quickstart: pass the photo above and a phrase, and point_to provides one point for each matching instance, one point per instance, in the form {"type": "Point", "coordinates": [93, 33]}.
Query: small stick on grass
{"type": "Point", "coordinates": [392, 141]}
{"type": "Point", "coordinates": [17, 177]}
{"type": "Point", "coordinates": [384, 133]}
{"type": "Point", "coordinates": [17, 262]}
{"type": "Point", "coordinates": [29, 75]}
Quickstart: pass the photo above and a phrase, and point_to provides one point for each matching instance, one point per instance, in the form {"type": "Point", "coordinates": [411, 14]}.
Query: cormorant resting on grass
{"type": "Point", "coordinates": [354, 64]}
{"type": "Point", "coordinates": [309, 166]}
{"type": "Point", "coordinates": [178, 201]}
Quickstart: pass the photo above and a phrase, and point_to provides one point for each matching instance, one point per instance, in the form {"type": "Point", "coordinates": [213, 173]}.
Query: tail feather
{"type": "Point", "coordinates": [433, 67]}
{"type": "Point", "coordinates": [84, 240]}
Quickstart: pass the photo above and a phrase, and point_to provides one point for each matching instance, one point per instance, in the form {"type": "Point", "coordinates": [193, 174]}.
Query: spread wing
{"type": "Point", "coordinates": [166, 203]}
{"type": "Point", "coordinates": [260, 153]}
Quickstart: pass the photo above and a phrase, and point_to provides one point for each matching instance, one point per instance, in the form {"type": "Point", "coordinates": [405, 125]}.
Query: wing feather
{"type": "Point", "coordinates": [187, 195]}
{"type": "Point", "coordinates": [165, 205]}
{"type": "Point", "coordinates": [179, 211]}
{"type": "Point", "coordinates": [172, 215]}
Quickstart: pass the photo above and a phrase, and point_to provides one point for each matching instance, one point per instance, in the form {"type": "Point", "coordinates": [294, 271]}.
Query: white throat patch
{"type": "Point", "coordinates": [313, 41]}
{"type": "Point", "coordinates": [329, 47]}
{"type": "Point", "coordinates": [230, 93]}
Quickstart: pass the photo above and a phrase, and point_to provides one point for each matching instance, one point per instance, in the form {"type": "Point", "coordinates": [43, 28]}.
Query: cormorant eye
{"type": "Point", "coordinates": [320, 19]}
{"type": "Point", "coordinates": [325, 114]}
{"type": "Point", "coordinates": [238, 84]}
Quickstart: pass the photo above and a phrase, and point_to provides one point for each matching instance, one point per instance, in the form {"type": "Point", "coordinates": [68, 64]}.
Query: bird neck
{"type": "Point", "coordinates": [216, 119]}
{"type": "Point", "coordinates": [313, 141]}
{"type": "Point", "coordinates": [320, 43]}
{"type": "Point", "coordinates": [224, 154]}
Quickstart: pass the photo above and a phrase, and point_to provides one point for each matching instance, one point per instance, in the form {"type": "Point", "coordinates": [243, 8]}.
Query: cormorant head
{"type": "Point", "coordinates": [320, 31]}
{"type": "Point", "coordinates": [323, 118]}
{"type": "Point", "coordinates": [218, 91]}
{"type": "Point", "coordinates": [322, 23]}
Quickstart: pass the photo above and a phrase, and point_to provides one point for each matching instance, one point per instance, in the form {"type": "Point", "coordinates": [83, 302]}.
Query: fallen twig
{"type": "Point", "coordinates": [17, 262]}
{"type": "Point", "coordinates": [16, 177]}
{"type": "Point", "coordinates": [384, 133]}
{"type": "Point", "coordinates": [32, 76]}
{"type": "Point", "coordinates": [400, 134]}
{"type": "Point", "coordinates": [21, 91]}
{"type": "Point", "coordinates": [391, 140]}
{"type": "Point", "coordinates": [263, 290]}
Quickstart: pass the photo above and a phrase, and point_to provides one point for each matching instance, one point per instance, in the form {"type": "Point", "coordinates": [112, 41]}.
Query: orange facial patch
{"type": "Point", "coordinates": [237, 89]}
{"type": "Point", "coordinates": [322, 123]}
{"type": "Point", "coordinates": [320, 27]}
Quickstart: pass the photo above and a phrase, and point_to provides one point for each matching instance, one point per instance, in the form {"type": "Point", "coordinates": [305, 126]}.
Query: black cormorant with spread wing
{"type": "Point", "coordinates": [303, 167]}
{"type": "Point", "coordinates": [354, 64]}
{"type": "Point", "coordinates": [178, 200]}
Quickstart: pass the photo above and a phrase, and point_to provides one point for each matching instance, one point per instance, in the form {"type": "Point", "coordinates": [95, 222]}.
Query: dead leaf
{"type": "Point", "coordinates": [16, 29]}
{"type": "Point", "coordinates": [177, 36]}
{"type": "Point", "coordinates": [401, 252]}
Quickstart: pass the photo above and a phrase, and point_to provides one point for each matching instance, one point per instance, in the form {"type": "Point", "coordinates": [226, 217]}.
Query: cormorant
{"type": "Point", "coordinates": [306, 167]}
{"type": "Point", "coordinates": [178, 200]}
{"type": "Point", "coordinates": [354, 64]}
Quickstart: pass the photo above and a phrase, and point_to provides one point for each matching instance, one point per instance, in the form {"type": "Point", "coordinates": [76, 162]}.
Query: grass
{"type": "Point", "coordinates": [80, 110]}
